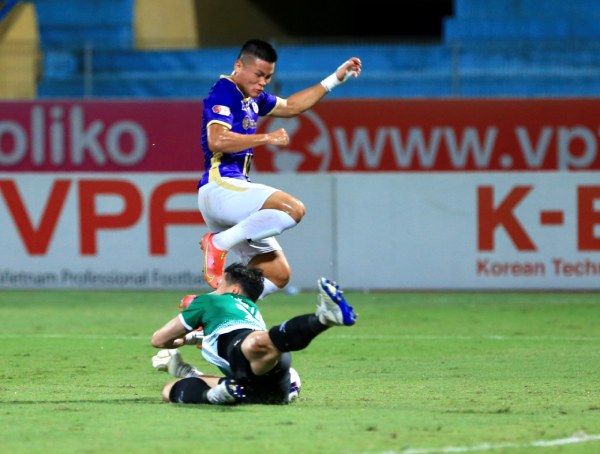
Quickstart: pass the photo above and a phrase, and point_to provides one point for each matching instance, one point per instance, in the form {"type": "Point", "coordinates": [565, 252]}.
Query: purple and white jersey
{"type": "Point", "coordinates": [225, 104]}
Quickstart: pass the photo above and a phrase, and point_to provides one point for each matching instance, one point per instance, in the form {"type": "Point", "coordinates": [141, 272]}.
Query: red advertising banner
{"type": "Point", "coordinates": [441, 135]}
{"type": "Point", "coordinates": [100, 136]}
{"type": "Point", "coordinates": [345, 135]}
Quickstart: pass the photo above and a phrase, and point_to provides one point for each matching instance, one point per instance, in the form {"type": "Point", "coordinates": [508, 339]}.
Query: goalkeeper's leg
{"type": "Point", "coordinates": [209, 389]}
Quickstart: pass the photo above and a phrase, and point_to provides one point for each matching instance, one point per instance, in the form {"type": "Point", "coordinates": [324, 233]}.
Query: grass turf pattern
{"type": "Point", "coordinates": [418, 373]}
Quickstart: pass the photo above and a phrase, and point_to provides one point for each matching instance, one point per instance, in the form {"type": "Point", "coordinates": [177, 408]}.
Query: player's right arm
{"type": "Point", "coordinates": [182, 329]}
{"type": "Point", "coordinates": [166, 336]}
{"type": "Point", "coordinates": [222, 140]}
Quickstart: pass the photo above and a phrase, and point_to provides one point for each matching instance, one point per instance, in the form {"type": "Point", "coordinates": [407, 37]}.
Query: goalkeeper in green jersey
{"type": "Point", "coordinates": [255, 361]}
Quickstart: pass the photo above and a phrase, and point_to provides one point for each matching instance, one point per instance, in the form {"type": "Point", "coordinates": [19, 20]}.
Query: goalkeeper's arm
{"type": "Point", "coordinates": [191, 338]}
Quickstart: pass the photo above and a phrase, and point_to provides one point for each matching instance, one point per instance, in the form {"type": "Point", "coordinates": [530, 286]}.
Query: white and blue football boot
{"type": "Point", "coordinates": [332, 308]}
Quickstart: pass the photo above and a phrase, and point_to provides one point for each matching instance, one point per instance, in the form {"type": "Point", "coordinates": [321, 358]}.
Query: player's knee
{"type": "Point", "coordinates": [258, 344]}
{"type": "Point", "coordinates": [166, 392]}
{"type": "Point", "coordinates": [288, 204]}
{"type": "Point", "coordinates": [281, 277]}
{"type": "Point", "coordinates": [298, 210]}
{"type": "Point", "coordinates": [261, 353]}
{"type": "Point", "coordinates": [294, 208]}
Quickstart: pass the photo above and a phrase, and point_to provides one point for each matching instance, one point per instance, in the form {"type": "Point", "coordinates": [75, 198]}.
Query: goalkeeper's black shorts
{"type": "Point", "coordinates": [271, 388]}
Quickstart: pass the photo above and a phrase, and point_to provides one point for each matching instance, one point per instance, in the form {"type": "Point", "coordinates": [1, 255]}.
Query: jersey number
{"type": "Point", "coordinates": [251, 313]}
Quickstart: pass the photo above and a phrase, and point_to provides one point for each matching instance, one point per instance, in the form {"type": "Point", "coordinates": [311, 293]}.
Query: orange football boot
{"type": "Point", "coordinates": [214, 260]}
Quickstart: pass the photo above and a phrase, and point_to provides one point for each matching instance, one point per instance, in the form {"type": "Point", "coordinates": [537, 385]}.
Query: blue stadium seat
{"type": "Point", "coordinates": [489, 48]}
{"type": "Point", "coordinates": [69, 24]}
{"type": "Point", "coordinates": [472, 29]}
{"type": "Point", "coordinates": [525, 9]}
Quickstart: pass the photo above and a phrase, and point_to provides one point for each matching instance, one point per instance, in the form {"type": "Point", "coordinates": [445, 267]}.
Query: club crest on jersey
{"type": "Point", "coordinates": [248, 123]}
{"type": "Point", "coordinates": [221, 110]}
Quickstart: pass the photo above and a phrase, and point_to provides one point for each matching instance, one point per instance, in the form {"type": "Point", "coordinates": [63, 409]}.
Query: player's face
{"type": "Point", "coordinates": [252, 76]}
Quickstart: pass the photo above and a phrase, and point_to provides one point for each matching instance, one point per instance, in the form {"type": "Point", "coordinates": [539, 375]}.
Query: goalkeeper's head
{"type": "Point", "coordinates": [250, 280]}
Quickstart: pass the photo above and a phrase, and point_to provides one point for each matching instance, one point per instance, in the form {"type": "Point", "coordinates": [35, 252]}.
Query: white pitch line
{"type": "Point", "coordinates": [468, 338]}
{"type": "Point", "coordinates": [335, 336]}
{"type": "Point", "coordinates": [573, 439]}
{"type": "Point", "coordinates": [78, 336]}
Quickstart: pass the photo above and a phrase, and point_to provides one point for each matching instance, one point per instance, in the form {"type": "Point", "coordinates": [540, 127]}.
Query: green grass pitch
{"type": "Point", "coordinates": [420, 373]}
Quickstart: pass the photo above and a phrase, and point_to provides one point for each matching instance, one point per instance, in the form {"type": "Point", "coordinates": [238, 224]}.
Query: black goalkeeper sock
{"type": "Point", "coordinates": [296, 333]}
{"type": "Point", "coordinates": [191, 390]}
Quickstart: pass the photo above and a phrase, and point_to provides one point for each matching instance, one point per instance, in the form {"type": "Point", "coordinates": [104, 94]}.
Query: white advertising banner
{"type": "Point", "coordinates": [470, 231]}
{"type": "Point", "coordinates": [374, 231]}
{"type": "Point", "coordinates": [99, 231]}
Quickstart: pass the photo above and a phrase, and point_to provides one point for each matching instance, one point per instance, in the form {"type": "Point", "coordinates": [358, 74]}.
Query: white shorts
{"type": "Point", "coordinates": [228, 203]}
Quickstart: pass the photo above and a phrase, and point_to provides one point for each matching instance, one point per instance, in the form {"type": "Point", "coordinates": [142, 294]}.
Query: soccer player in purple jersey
{"type": "Point", "coordinates": [242, 216]}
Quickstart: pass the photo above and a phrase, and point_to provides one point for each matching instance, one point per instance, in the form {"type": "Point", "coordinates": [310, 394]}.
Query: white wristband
{"type": "Point", "coordinates": [332, 81]}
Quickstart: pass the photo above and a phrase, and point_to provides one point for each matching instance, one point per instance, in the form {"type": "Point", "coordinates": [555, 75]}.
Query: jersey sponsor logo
{"type": "Point", "coordinates": [221, 110]}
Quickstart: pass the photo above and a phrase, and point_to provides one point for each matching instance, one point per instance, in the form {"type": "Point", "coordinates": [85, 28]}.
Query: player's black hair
{"type": "Point", "coordinates": [250, 279]}
{"type": "Point", "coordinates": [258, 49]}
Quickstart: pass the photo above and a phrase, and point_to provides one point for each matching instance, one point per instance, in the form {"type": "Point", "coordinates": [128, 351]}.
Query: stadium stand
{"type": "Point", "coordinates": [526, 47]}
{"type": "Point", "coordinates": [5, 7]}
{"type": "Point", "coordinates": [492, 48]}
{"type": "Point", "coordinates": [19, 51]}
{"type": "Point", "coordinates": [69, 25]}
{"type": "Point", "coordinates": [523, 20]}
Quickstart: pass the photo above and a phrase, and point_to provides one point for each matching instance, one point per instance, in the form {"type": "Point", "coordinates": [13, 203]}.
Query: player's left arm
{"type": "Point", "coordinates": [305, 99]}
{"type": "Point", "coordinates": [170, 335]}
